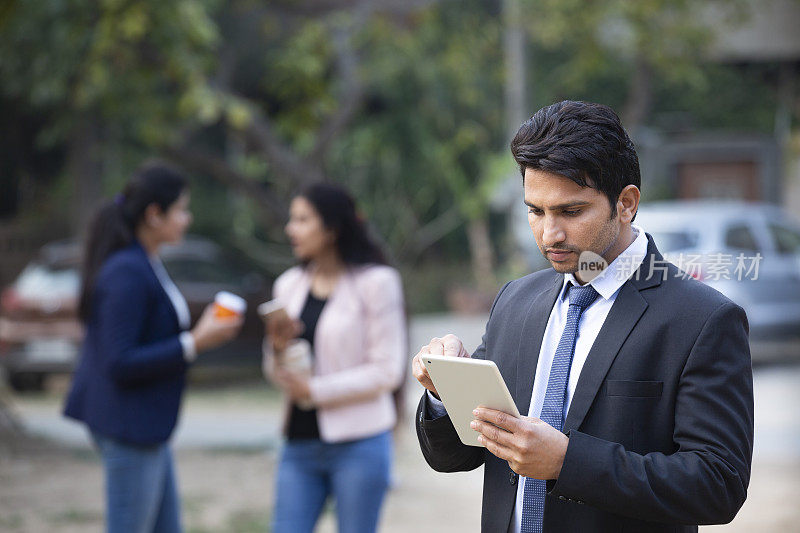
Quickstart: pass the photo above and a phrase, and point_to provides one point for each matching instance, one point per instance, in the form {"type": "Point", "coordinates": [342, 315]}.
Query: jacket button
{"type": "Point", "coordinates": [562, 498]}
{"type": "Point", "coordinates": [512, 477]}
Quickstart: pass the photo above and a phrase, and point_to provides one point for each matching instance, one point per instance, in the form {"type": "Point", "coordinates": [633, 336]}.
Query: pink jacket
{"type": "Point", "coordinates": [360, 349]}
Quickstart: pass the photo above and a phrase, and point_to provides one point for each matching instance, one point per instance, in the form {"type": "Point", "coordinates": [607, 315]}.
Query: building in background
{"type": "Point", "coordinates": [742, 166]}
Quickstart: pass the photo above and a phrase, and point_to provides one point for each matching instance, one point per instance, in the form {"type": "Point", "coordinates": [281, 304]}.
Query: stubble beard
{"type": "Point", "coordinates": [607, 237]}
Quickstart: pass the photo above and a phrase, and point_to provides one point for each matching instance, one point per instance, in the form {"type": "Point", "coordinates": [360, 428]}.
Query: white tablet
{"type": "Point", "coordinates": [464, 384]}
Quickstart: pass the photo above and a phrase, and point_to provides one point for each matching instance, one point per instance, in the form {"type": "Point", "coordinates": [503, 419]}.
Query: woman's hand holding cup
{"type": "Point", "coordinates": [220, 322]}
{"type": "Point", "coordinates": [281, 329]}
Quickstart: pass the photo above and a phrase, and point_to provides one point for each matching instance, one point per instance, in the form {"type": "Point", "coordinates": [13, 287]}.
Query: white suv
{"type": "Point", "coordinates": [749, 252]}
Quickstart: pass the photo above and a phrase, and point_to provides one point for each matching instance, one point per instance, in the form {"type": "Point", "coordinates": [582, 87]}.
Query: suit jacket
{"type": "Point", "coordinates": [661, 423]}
{"type": "Point", "coordinates": [360, 349]}
{"type": "Point", "coordinates": [131, 374]}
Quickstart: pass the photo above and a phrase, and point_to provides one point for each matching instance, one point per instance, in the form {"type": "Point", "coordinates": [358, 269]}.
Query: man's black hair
{"type": "Point", "coordinates": [582, 141]}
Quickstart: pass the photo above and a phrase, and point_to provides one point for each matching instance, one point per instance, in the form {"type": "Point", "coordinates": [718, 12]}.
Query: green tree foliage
{"type": "Point", "coordinates": [106, 77]}
{"type": "Point", "coordinates": [401, 100]}
{"type": "Point", "coordinates": [622, 52]}
{"type": "Point", "coordinates": [125, 63]}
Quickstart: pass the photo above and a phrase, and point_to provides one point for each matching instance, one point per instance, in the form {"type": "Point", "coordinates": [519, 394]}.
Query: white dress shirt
{"type": "Point", "coordinates": [607, 284]}
{"type": "Point", "coordinates": [181, 308]}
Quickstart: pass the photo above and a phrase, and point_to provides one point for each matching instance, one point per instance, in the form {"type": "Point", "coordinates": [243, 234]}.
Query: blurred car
{"type": "Point", "coordinates": [40, 333]}
{"type": "Point", "coordinates": [750, 252]}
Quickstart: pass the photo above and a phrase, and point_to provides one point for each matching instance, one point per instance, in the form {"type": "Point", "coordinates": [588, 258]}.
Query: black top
{"type": "Point", "coordinates": [303, 424]}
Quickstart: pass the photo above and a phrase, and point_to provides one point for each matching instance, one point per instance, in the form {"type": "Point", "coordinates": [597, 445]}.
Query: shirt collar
{"type": "Point", "coordinates": [617, 273]}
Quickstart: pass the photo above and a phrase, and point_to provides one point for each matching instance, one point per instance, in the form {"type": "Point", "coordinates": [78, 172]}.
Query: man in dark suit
{"type": "Point", "coordinates": [636, 378]}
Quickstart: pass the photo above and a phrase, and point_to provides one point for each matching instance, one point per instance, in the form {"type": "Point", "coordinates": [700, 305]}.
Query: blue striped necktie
{"type": "Point", "coordinates": [553, 408]}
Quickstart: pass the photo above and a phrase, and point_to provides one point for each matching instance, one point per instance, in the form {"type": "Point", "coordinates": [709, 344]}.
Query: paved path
{"type": "Point", "coordinates": [207, 423]}
{"type": "Point", "coordinates": [219, 482]}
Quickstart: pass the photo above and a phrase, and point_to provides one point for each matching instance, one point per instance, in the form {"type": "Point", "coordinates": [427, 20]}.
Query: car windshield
{"type": "Point", "coordinates": [39, 281]}
{"type": "Point", "coordinates": [670, 241]}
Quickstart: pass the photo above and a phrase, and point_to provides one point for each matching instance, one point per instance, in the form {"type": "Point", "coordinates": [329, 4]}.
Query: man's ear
{"type": "Point", "coordinates": [628, 203]}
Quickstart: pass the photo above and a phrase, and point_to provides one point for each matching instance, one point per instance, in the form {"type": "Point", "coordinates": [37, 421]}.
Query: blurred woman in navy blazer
{"type": "Point", "coordinates": [128, 385]}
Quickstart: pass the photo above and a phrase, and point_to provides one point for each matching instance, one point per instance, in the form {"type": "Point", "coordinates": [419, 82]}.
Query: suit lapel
{"type": "Point", "coordinates": [161, 291]}
{"type": "Point", "coordinates": [623, 316]}
{"type": "Point", "coordinates": [338, 302]}
{"type": "Point", "coordinates": [296, 296]}
{"type": "Point", "coordinates": [626, 311]}
{"type": "Point", "coordinates": [530, 343]}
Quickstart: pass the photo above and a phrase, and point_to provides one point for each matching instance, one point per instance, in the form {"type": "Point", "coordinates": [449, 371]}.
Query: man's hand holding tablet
{"type": "Point", "coordinates": [531, 447]}
{"type": "Point", "coordinates": [447, 345]}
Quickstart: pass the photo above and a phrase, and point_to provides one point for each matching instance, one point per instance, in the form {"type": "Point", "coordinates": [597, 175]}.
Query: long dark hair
{"type": "Point", "coordinates": [113, 226]}
{"type": "Point", "coordinates": [338, 211]}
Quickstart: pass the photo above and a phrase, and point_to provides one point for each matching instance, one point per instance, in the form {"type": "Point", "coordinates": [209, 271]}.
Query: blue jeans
{"type": "Point", "coordinates": [355, 473]}
{"type": "Point", "coordinates": [141, 496]}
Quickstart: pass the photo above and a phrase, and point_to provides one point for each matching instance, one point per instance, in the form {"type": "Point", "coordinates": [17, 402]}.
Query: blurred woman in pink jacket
{"type": "Point", "coordinates": [347, 304]}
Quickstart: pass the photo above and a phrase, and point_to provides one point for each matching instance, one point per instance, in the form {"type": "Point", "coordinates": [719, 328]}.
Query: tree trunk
{"type": "Point", "coordinates": [481, 252]}
{"type": "Point", "coordinates": [514, 44]}
{"type": "Point", "coordinates": [640, 96]}
{"type": "Point", "coordinates": [10, 427]}
{"type": "Point", "coordinates": [84, 171]}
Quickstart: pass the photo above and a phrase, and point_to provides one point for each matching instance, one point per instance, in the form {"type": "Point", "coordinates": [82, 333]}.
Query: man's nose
{"type": "Point", "coordinates": [553, 232]}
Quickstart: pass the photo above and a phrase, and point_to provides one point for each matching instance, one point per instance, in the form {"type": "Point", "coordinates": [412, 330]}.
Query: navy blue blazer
{"type": "Point", "coordinates": [131, 374]}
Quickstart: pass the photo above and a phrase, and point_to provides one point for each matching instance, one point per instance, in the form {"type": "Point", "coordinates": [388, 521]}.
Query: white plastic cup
{"type": "Point", "coordinates": [296, 358]}
{"type": "Point", "coordinates": [228, 305]}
